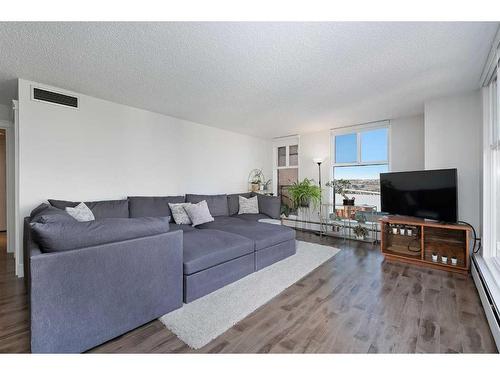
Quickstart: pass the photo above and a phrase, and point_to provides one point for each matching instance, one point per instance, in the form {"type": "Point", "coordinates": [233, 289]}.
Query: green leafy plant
{"type": "Point", "coordinates": [340, 186]}
{"type": "Point", "coordinates": [303, 193]}
{"type": "Point", "coordinates": [360, 231]}
{"type": "Point", "coordinates": [285, 210]}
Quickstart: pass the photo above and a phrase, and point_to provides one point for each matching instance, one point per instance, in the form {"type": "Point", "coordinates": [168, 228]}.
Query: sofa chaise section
{"type": "Point", "coordinates": [213, 259]}
{"type": "Point", "coordinates": [272, 243]}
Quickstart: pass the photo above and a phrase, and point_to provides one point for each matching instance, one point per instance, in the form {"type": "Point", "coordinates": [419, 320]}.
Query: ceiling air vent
{"type": "Point", "coordinates": [55, 98]}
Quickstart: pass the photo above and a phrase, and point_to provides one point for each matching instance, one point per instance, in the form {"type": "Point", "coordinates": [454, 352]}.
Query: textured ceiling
{"type": "Point", "coordinates": [264, 79]}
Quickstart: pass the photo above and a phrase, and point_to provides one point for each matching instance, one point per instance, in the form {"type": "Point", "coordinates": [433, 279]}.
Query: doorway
{"type": "Point", "coordinates": [3, 185]}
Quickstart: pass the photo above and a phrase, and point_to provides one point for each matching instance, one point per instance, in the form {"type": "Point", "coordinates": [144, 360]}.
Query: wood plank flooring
{"type": "Point", "coordinates": [354, 303]}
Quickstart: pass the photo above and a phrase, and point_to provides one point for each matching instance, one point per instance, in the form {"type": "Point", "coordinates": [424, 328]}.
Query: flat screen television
{"type": "Point", "coordinates": [428, 194]}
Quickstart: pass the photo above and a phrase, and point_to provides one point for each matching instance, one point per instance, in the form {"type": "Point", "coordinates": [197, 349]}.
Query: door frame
{"type": "Point", "coordinates": [11, 176]}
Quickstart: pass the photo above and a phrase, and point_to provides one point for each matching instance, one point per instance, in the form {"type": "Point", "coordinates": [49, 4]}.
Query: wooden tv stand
{"type": "Point", "coordinates": [427, 238]}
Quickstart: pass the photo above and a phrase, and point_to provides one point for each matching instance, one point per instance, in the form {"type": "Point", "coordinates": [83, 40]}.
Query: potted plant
{"type": "Point", "coordinates": [256, 183]}
{"type": "Point", "coordinates": [341, 186]}
{"type": "Point", "coordinates": [266, 184]}
{"type": "Point", "coordinates": [360, 232]}
{"type": "Point", "coordinates": [285, 210]}
{"type": "Point", "coordinates": [303, 193]}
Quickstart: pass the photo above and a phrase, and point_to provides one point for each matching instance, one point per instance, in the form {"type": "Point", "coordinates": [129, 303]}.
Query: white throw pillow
{"type": "Point", "coordinates": [248, 205]}
{"type": "Point", "coordinates": [81, 212]}
{"type": "Point", "coordinates": [199, 213]}
{"type": "Point", "coordinates": [179, 213]}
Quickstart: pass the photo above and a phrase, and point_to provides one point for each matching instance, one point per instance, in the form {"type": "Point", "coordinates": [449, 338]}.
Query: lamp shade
{"type": "Point", "coordinates": [318, 160]}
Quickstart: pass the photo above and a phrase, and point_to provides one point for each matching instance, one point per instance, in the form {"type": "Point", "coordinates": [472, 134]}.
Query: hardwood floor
{"type": "Point", "coordinates": [354, 303]}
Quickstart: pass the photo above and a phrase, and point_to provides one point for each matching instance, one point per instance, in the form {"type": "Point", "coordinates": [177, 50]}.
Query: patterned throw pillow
{"type": "Point", "coordinates": [179, 213]}
{"type": "Point", "coordinates": [81, 212]}
{"type": "Point", "coordinates": [248, 205]}
{"type": "Point", "coordinates": [199, 213]}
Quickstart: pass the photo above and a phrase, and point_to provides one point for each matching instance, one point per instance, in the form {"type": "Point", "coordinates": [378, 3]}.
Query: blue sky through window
{"type": "Point", "coordinates": [346, 148]}
{"type": "Point", "coordinates": [374, 145]}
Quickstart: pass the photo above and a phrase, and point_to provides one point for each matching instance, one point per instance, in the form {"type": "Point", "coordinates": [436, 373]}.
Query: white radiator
{"type": "Point", "coordinates": [490, 308]}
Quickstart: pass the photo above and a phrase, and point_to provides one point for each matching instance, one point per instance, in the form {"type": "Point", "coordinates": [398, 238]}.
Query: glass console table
{"type": "Point", "coordinates": [341, 220]}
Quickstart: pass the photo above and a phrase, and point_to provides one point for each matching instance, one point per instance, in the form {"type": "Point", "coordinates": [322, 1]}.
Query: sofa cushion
{"type": "Point", "coordinates": [233, 202]}
{"type": "Point", "coordinates": [67, 235]}
{"type": "Point", "coordinates": [207, 248]}
{"type": "Point", "coordinates": [153, 206]}
{"type": "Point", "coordinates": [263, 234]}
{"type": "Point", "coordinates": [252, 217]}
{"type": "Point", "coordinates": [221, 221]}
{"type": "Point", "coordinates": [269, 205]}
{"type": "Point", "coordinates": [217, 204]}
{"type": "Point", "coordinates": [100, 209]}
{"type": "Point", "coordinates": [49, 214]}
{"type": "Point", "coordinates": [183, 227]}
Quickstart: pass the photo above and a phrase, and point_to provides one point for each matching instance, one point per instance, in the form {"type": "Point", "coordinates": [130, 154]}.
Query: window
{"type": "Point", "coordinates": [286, 168]}
{"type": "Point", "coordinates": [359, 155]}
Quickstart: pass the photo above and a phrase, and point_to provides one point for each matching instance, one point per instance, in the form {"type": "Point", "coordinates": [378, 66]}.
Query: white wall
{"type": "Point", "coordinates": [5, 112]}
{"type": "Point", "coordinates": [453, 139]}
{"type": "Point", "coordinates": [105, 150]}
{"type": "Point", "coordinates": [407, 144]}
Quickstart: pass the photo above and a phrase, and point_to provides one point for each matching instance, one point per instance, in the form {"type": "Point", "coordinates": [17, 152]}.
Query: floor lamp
{"type": "Point", "coordinates": [319, 161]}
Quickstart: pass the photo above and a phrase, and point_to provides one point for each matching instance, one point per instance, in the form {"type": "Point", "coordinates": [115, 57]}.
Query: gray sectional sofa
{"type": "Point", "coordinates": [86, 290]}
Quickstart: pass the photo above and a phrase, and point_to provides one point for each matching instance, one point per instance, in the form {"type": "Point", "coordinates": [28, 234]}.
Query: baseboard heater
{"type": "Point", "coordinates": [490, 308]}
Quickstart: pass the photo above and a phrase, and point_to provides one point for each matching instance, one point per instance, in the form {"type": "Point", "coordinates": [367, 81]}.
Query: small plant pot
{"type": "Point", "coordinates": [360, 238]}
{"type": "Point", "coordinates": [349, 202]}
{"type": "Point", "coordinates": [394, 230]}
{"type": "Point", "coordinates": [454, 261]}
{"type": "Point", "coordinates": [444, 259]}
{"type": "Point", "coordinates": [305, 202]}
{"type": "Point", "coordinates": [402, 231]}
{"type": "Point", "coordinates": [409, 232]}
{"type": "Point", "coordinates": [434, 258]}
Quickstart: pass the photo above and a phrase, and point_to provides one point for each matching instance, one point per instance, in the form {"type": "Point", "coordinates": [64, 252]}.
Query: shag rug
{"type": "Point", "coordinates": [199, 322]}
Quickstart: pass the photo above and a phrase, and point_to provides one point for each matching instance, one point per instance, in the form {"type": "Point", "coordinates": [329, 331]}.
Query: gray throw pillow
{"type": "Point", "coordinates": [81, 212]}
{"type": "Point", "coordinates": [179, 213]}
{"type": "Point", "coordinates": [248, 205]}
{"type": "Point", "coordinates": [234, 204]}
{"type": "Point", "coordinates": [67, 235]}
{"type": "Point", "coordinates": [199, 213]}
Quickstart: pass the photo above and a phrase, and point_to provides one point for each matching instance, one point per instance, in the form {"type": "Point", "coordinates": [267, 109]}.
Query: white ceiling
{"type": "Point", "coordinates": [263, 79]}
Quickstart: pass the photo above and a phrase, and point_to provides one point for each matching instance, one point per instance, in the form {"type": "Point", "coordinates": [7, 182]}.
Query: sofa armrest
{"type": "Point", "coordinates": [269, 205]}
{"type": "Point", "coordinates": [82, 298]}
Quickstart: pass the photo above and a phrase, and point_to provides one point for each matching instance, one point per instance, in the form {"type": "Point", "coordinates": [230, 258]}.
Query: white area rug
{"type": "Point", "coordinates": [199, 322]}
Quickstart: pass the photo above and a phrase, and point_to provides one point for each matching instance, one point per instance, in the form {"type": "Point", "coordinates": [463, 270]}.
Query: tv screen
{"type": "Point", "coordinates": [426, 194]}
